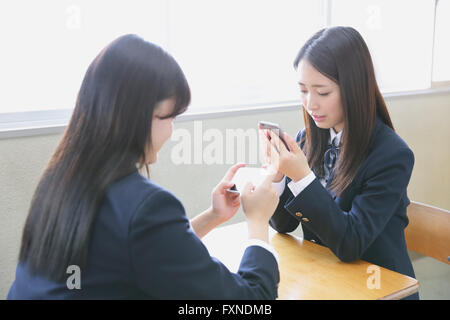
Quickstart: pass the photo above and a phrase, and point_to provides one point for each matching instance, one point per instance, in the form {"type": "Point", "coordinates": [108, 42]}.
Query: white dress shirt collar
{"type": "Point", "coordinates": [333, 134]}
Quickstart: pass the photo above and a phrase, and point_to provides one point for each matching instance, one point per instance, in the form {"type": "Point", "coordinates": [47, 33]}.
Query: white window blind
{"type": "Point", "coordinates": [47, 45]}
{"type": "Point", "coordinates": [240, 53]}
{"type": "Point", "coordinates": [399, 35]}
{"type": "Point", "coordinates": [441, 62]}
{"type": "Point", "coordinates": [234, 53]}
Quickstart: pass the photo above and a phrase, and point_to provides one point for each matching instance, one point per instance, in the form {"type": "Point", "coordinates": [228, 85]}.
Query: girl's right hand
{"type": "Point", "coordinates": [267, 155]}
{"type": "Point", "coordinates": [292, 162]}
{"type": "Point", "coordinates": [259, 204]}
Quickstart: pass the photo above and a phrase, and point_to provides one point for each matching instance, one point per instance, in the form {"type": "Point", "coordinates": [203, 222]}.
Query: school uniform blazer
{"type": "Point", "coordinates": [143, 247]}
{"type": "Point", "coordinates": [368, 220]}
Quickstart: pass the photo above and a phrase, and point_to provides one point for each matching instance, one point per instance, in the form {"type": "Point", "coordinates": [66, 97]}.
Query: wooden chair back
{"type": "Point", "coordinates": [428, 231]}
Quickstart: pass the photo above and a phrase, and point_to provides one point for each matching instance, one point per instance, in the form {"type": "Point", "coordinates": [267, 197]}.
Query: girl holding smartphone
{"type": "Point", "coordinates": [128, 237]}
{"type": "Point", "coordinates": [346, 174]}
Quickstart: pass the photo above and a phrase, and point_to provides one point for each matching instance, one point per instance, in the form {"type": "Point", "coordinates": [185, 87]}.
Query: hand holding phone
{"type": "Point", "coordinates": [274, 127]}
{"type": "Point", "coordinates": [293, 164]}
{"type": "Point", "coordinates": [254, 175]}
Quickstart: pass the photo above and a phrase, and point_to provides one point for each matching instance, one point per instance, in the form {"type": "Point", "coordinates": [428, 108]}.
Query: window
{"type": "Point", "coordinates": [47, 45]}
{"type": "Point", "coordinates": [441, 62]}
{"type": "Point", "coordinates": [234, 53]}
{"type": "Point", "coordinates": [399, 35]}
{"type": "Point", "coordinates": [240, 53]}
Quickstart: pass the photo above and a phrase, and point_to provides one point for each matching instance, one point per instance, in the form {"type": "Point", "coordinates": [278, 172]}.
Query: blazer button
{"type": "Point", "coordinates": [298, 214]}
{"type": "Point", "coordinates": [305, 219]}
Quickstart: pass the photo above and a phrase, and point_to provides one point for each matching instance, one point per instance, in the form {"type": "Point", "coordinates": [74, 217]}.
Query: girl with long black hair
{"type": "Point", "coordinates": [128, 237]}
{"type": "Point", "coordinates": [344, 177]}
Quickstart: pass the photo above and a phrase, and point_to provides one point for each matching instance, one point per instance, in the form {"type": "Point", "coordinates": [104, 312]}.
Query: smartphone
{"type": "Point", "coordinates": [274, 127]}
{"type": "Point", "coordinates": [255, 175]}
{"type": "Point", "coordinates": [233, 189]}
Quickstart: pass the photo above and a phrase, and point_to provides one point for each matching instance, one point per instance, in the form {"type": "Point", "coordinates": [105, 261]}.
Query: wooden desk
{"type": "Point", "coordinates": [312, 272]}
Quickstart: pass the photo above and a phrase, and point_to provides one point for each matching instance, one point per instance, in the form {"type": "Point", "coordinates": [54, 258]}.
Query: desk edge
{"type": "Point", "coordinates": [403, 293]}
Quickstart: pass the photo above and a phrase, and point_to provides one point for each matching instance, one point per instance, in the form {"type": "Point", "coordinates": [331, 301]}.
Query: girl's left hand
{"type": "Point", "coordinates": [291, 163]}
{"type": "Point", "coordinates": [225, 204]}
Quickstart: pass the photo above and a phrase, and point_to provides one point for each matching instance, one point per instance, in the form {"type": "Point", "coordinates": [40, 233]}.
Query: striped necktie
{"type": "Point", "coordinates": [329, 160]}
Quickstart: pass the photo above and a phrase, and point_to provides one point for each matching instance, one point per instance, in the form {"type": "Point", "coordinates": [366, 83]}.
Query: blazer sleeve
{"type": "Point", "coordinates": [281, 220]}
{"type": "Point", "coordinates": [349, 234]}
{"type": "Point", "coordinates": [171, 262]}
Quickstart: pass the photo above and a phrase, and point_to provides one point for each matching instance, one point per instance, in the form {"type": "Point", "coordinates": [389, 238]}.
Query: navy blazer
{"type": "Point", "coordinates": [143, 247]}
{"type": "Point", "coordinates": [367, 221]}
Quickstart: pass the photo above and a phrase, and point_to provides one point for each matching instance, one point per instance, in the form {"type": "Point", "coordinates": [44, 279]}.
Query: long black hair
{"type": "Point", "coordinates": [106, 139]}
{"type": "Point", "coordinates": [341, 54]}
